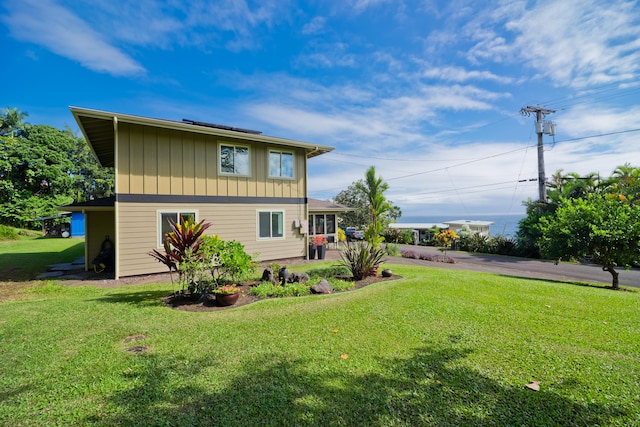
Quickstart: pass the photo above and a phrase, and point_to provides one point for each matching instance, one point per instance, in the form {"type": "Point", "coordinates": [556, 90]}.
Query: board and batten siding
{"type": "Point", "coordinates": [173, 162]}
{"type": "Point", "coordinates": [139, 230]}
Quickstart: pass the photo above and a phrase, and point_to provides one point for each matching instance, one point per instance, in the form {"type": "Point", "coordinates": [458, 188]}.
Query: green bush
{"type": "Point", "coordinates": [227, 260]}
{"type": "Point", "coordinates": [8, 233]}
{"type": "Point", "coordinates": [361, 259]}
{"type": "Point", "coordinates": [327, 272]}
{"type": "Point", "coordinates": [392, 249]}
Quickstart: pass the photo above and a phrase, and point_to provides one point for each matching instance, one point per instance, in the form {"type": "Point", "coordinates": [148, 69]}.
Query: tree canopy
{"type": "Point", "coordinates": [562, 187]}
{"type": "Point", "coordinates": [604, 227]}
{"type": "Point", "coordinates": [42, 168]}
{"type": "Point", "coordinates": [360, 195]}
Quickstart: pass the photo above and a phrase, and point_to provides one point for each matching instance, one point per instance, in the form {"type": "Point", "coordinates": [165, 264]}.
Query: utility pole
{"type": "Point", "coordinates": [549, 129]}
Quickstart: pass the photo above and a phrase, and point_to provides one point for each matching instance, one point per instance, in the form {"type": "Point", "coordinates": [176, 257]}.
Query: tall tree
{"type": "Point", "coordinates": [360, 217]}
{"type": "Point", "coordinates": [11, 121]}
{"type": "Point", "coordinates": [44, 168]}
{"type": "Point", "coordinates": [374, 187]}
{"type": "Point", "coordinates": [605, 227]}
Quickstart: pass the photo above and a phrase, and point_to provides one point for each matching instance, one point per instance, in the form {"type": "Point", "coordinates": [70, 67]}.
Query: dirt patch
{"type": "Point", "coordinates": [186, 303]}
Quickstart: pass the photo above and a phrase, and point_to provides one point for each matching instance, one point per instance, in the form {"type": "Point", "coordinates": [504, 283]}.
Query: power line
{"type": "Point", "coordinates": [483, 158]}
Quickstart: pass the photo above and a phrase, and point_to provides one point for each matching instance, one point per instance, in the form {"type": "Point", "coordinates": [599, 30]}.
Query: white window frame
{"type": "Point", "coordinates": [312, 223]}
{"type": "Point", "coordinates": [271, 212]}
{"type": "Point", "coordinates": [177, 212]}
{"type": "Point", "coordinates": [234, 145]}
{"type": "Point", "coordinates": [281, 152]}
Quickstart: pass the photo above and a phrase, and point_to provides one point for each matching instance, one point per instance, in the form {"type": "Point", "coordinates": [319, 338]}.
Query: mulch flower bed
{"type": "Point", "coordinates": [185, 302]}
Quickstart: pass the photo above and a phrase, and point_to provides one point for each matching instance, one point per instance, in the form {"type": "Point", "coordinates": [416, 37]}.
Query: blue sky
{"type": "Point", "coordinates": [427, 91]}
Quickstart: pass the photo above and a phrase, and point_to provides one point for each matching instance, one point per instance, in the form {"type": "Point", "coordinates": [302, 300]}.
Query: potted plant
{"type": "Point", "coordinates": [312, 248]}
{"type": "Point", "coordinates": [227, 295]}
{"type": "Point", "coordinates": [320, 242]}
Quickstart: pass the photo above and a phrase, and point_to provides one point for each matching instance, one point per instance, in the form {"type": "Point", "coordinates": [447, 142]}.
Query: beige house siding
{"type": "Point", "coordinates": [139, 231]}
{"type": "Point", "coordinates": [172, 162]}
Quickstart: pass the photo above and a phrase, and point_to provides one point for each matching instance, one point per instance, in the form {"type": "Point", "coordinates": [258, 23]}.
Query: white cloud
{"type": "Point", "coordinates": [461, 75]}
{"type": "Point", "coordinates": [575, 42]}
{"type": "Point", "coordinates": [44, 23]}
{"type": "Point", "coordinates": [315, 26]}
{"type": "Point", "coordinates": [589, 120]}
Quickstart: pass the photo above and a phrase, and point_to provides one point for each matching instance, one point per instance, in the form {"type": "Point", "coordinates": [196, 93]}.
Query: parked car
{"type": "Point", "coordinates": [353, 233]}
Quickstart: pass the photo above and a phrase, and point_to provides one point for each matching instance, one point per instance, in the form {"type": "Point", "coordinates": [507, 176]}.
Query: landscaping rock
{"type": "Point", "coordinates": [267, 276]}
{"type": "Point", "coordinates": [322, 287]}
{"type": "Point", "coordinates": [387, 273]}
{"type": "Point", "coordinates": [283, 275]}
{"type": "Point", "coordinates": [298, 278]}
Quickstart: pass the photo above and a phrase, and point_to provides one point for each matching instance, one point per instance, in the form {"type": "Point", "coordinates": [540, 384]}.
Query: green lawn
{"type": "Point", "coordinates": [25, 258]}
{"type": "Point", "coordinates": [438, 347]}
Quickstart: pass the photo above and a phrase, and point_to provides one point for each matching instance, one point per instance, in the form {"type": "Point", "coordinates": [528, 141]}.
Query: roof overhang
{"type": "Point", "coordinates": [98, 128]}
{"type": "Point", "coordinates": [316, 205]}
{"type": "Point", "coordinates": [105, 204]}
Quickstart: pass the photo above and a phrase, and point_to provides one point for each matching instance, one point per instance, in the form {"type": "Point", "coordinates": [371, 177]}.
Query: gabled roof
{"type": "Point", "coordinates": [316, 205]}
{"type": "Point", "coordinates": [98, 129]}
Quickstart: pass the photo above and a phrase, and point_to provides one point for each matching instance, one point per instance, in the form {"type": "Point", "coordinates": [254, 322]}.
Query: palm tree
{"type": "Point", "coordinates": [625, 180]}
{"type": "Point", "coordinates": [11, 120]}
{"type": "Point", "coordinates": [374, 187]}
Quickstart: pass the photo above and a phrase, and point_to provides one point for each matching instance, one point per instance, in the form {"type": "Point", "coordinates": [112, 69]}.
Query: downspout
{"type": "Point", "coordinates": [116, 267]}
{"type": "Point", "coordinates": [306, 205]}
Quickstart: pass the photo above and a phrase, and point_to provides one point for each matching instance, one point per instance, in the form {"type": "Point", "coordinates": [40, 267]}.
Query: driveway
{"type": "Point", "coordinates": [522, 267]}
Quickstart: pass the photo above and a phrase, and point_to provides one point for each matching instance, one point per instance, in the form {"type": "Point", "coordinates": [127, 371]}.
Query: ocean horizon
{"type": "Point", "coordinates": [504, 224]}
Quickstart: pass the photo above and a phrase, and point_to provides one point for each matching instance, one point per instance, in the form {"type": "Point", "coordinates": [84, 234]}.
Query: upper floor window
{"type": "Point", "coordinates": [234, 159]}
{"type": "Point", "coordinates": [280, 164]}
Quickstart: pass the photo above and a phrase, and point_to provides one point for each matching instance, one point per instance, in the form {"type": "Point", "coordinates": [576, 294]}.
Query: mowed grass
{"type": "Point", "coordinates": [438, 347]}
{"type": "Point", "coordinates": [25, 258]}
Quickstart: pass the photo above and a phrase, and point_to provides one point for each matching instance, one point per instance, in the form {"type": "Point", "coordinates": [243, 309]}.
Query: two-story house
{"type": "Point", "coordinates": [251, 187]}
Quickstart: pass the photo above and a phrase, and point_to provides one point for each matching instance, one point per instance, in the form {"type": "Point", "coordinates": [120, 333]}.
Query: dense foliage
{"type": "Point", "coordinates": [43, 168]}
{"type": "Point", "coordinates": [604, 227]}
{"type": "Point", "coordinates": [586, 216]}
{"type": "Point", "coordinates": [204, 263]}
{"type": "Point", "coordinates": [226, 259]}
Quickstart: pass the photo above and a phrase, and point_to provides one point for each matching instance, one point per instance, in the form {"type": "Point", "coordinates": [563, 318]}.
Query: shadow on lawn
{"type": "Point", "coordinates": [137, 298]}
{"type": "Point", "coordinates": [18, 267]}
{"type": "Point", "coordinates": [430, 388]}
{"type": "Point", "coordinates": [574, 283]}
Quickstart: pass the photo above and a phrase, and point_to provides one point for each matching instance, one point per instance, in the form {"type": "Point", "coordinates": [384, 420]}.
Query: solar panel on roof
{"type": "Point", "coordinates": [224, 127]}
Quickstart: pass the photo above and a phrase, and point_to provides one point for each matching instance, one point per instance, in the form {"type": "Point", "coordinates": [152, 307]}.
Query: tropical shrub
{"type": "Point", "coordinates": [395, 235]}
{"type": "Point", "coordinates": [502, 245]}
{"type": "Point", "coordinates": [445, 239]}
{"type": "Point", "coordinates": [361, 259]}
{"type": "Point", "coordinates": [392, 249]}
{"type": "Point", "coordinates": [226, 260]}
{"type": "Point", "coordinates": [182, 249]}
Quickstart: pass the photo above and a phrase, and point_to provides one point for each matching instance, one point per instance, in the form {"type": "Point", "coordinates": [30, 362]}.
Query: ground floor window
{"type": "Point", "coordinates": [322, 224]}
{"type": "Point", "coordinates": [177, 217]}
{"type": "Point", "coordinates": [270, 224]}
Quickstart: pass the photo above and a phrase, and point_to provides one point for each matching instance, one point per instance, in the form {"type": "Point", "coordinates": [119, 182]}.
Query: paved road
{"type": "Point", "coordinates": [524, 267]}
